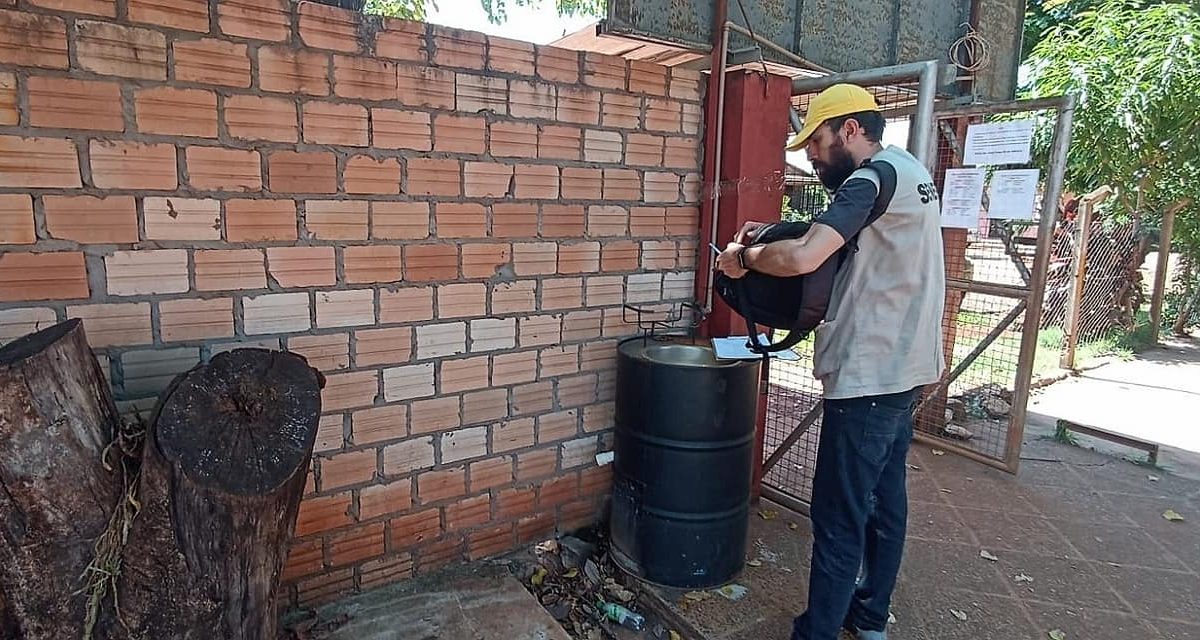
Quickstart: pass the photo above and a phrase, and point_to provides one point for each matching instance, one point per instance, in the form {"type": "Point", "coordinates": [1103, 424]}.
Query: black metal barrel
{"type": "Point", "coordinates": [683, 465]}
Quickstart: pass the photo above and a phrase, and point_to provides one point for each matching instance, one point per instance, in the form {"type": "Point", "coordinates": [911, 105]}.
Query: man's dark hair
{"type": "Point", "coordinates": [871, 121]}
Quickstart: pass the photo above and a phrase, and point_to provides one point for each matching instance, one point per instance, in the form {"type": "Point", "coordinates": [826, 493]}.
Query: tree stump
{"type": "Point", "coordinates": [223, 470]}
{"type": "Point", "coordinates": [56, 418]}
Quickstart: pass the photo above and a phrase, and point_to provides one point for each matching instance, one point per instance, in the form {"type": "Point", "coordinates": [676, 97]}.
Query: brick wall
{"type": "Point", "coordinates": [445, 223]}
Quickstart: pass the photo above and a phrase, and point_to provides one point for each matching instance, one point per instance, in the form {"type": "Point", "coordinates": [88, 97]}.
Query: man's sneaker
{"type": "Point", "coordinates": [853, 633]}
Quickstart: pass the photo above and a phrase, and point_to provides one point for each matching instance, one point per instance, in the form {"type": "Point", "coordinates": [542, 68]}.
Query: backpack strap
{"type": "Point", "coordinates": [887, 189]}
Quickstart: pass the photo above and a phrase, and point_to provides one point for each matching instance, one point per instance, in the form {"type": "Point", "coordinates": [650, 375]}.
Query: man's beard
{"type": "Point", "coordinates": [832, 175]}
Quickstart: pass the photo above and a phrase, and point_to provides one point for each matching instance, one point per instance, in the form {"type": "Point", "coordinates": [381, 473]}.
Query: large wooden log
{"type": "Point", "coordinates": [56, 418]}
{"type": "Point", "coordinates": [223, 470]}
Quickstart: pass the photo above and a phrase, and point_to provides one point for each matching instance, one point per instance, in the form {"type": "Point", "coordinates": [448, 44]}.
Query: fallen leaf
{"type": "Point", "coordinates": [891, 618]}
{"type": "Point", "coordinates": [548, 546]}
{"type": "Point", "coordinates": [793, 526]}
{"type": "Point", "coordinates": [946, 491]}
{"type": "Point", "coordinates": [674, 635]}
{"type": "Point", "coordinates": [571, 574]}
{"type": "Point", "coordinates": [987, 555]}
{"type": "Point", "coordinates": [539, 577]}
{"type": "Point", "coordinates": [733, 592]}
{"type": "Point", "coordinates": [1057, 634]}
{"type": "Point", "coordinates": [768, 514]}
{"type": "Point", "coordinates": [1152, 478]}
{"type": "Point", "coordinates": [697, 596]}
{"type": "Point", "coordinates": [754, 563]}
{"type": "Point", "coordinates": [961, 615]}
{"type": "Point", "coordinates": [1172, 515]}
{"type": "Point", "coordinates": [1020, 577]}
{"type": "Point", "coordinates": [938, 452]}
{"type": "Point", "coordinates": [913, 467]}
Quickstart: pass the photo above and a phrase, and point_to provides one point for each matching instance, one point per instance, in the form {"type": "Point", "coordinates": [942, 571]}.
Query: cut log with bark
{"type": "Point", "coordinates": [223, 470]}
{"type": "Point", "coordinates": [194, 535]}
{"type": "Point", "coordinates": [56, 418]}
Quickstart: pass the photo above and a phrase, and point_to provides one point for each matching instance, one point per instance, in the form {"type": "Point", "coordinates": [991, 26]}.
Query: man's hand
{"type": "Point", "coordinates": [748, 231]}
{"type": "Point", "coordinates": [728, 263]}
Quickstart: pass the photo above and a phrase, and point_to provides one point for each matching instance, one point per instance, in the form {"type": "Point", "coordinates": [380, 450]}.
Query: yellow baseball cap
{"type": "Point", "coordinates": [834, 102]}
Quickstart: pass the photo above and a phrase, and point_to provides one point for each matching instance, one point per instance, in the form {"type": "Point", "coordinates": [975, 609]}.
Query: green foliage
{"type": "Point", "coordinates": [1135, 67]}
{"type": "Point", "coordinates": [497, 10]}
{"type": "Point", "coordinates": [407, 9]}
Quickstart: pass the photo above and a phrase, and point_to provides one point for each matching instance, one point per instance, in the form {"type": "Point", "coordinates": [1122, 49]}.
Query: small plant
{"type": "Point", "coordinates": [1063, 435]}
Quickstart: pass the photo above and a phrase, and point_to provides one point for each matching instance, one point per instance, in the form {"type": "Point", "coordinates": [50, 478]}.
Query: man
{"type": "Point", "coordinates": [879, 344]}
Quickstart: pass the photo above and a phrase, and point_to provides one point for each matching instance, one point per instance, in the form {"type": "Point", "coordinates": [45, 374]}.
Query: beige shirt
{"type": "Point", "coordinates": [883, 331]}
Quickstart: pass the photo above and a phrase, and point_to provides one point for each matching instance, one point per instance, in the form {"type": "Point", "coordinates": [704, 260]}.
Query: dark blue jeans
{"type": "Point", "coordinates": [859, 513]}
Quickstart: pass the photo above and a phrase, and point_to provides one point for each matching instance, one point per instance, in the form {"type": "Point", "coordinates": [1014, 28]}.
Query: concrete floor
{"type": "Point", "coordinates": [1087, 528]}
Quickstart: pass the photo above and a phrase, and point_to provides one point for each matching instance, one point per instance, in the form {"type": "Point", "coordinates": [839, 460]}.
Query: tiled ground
{"type": "Point", "coordinates": [1087, 528]}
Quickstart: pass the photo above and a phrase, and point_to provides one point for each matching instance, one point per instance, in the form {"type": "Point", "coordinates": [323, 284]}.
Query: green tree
{"type": "Point", "coordinates": [497, 10]}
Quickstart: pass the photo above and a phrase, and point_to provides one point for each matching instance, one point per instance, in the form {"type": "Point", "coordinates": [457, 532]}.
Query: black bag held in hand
{"type": "Point", "coordinates": [796, 304]}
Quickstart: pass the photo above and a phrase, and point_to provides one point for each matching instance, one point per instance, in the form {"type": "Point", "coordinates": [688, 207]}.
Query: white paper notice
{"type": "Point", "coordinates": [962, 196]}
{"type": "Point", "coordinates": [1013, 194]}
{"type": "Point", "coordinates": [998, 143]}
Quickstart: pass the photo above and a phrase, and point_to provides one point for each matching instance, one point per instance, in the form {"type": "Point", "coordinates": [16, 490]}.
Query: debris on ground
{"type": "Point", "coordinates": [961, 615]}
{"type": "Point", "coordinates": [733, 592]}
{"type": "Point", "coordinates": [312, 627]}
{"type": "Point", "coordinates": [957, 432]}
{"type": "Point", "coordinates": [1057, 634]}
{"type": "Point", "coordinates": [937, 452]}
{"type": "Point", "coordinates": [1152, 478]}
{"type": "Point", "coordinates": [768, 514]}
{"type": "Point", "coordinates": [1020, 577]}
{"type": "Point", "coordinates": [1172, 515]}
{"type": "Point", "coordinates": [988, 555]}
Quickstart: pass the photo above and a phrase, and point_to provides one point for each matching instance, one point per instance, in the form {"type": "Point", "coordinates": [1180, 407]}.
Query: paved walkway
{"type": "Point", "coordinates": [1079, 540]}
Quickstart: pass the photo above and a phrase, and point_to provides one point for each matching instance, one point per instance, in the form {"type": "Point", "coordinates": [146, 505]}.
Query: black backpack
{"type": "Point", "coordinates": [796, 304]}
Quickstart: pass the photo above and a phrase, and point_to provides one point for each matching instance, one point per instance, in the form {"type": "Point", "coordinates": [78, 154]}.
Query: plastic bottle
{"type": "Point", "coordinates": [622, 616]}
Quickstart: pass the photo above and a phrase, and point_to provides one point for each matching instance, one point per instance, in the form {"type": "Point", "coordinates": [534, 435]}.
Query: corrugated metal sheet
{"type": "Point", "coordinates": [842, 35]}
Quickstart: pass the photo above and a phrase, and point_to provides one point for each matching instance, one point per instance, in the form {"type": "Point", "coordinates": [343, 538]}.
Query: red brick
{"type": "Point", "coordinates": [533, 398]}
{"type": "Point", "coordinates": [397, 129]}
{"type": "Point", "coordinates": [474, 93]}
{"type": "Point", "coordinates": [644, 149]}
{"type": "Point", "coordinates": [558, 491]}
{"type": "Point", "coordinates": [400, 220]}
{"type": "Point", "coordinates": [516, 502]}
{"type": "Point", "coordinates": [535, 258]}
{"type": "Point", "coordinates": [365, 174]}
{"type": "Point", "coordinates": [350, 391]}
{"type": "Point", "coordinates": [581, 325]}
{"type": "Point", "coordinates": [619, 110]}
{"type": "Point", "coordinates": [346, 309]}
{"type": "Point", "coordinates": [434, 177]}
{"type": "Point", "coordinates": [578, 105]}
{"type": "Point", "coordinates": [364, 78]}
{"type": "Point", "coordinates": [661, 187]}
{"type": "Point", "coordinates": [387, 570]}
{"type": "Point", "coordinates": [43, 276]}
{"type": "Point", "coordinates": [537, 181]}
{"type": "Point", "coordinates": [461, 300]}
{"type": "Point", "coordinates": [602, 146]}
{"type": "Point", "coordinates": [260, 220]}
{"type": "Point", "coordinates": [302, 172]}
{"type": "Point", "coordinates": [513, 434]}
{"type": "Point", "coordinates": [146, 272]}
{"type": "Point", "coordinates": [182, 112]}
{"type": "Point", "coordinates": [562, 293]}
{"type": "Point", "coordinates": [532, 100]}
{"type": "Point", "coordinates": [435, 486]}
{"type": "Point", "coordinates": [557, 426]}
{"type": "Point", "coordinates": [408, 456]}
{"type": "Point", "coordinates": [323, 514]}
{"type": "Point", "coordinates": [379, 424]}
{"type": "Point", "coordinates": [374, 347]}
{"type": "Point", "coordinates": [491, 541]}
{"type": "Point", "coordinates": [468, 513]}
{"type": "Point", "coordinates": [212, 61]}
{"type": "Point", "coordinates": [371, 264]}
{"type": "Point", "coordinates": [607, 220]}
{"type": "Point", "coordinates": [116, 50]}
{"type": "Point", "coordinates": [132, 165]}
{"type": "Point", "coordinates": [647, 77]}
{"type": "Point", "coordinates": [8, 99]}
{"type": "Point", "coordinates": [383, 499]}
{"type": "Point", "coordinates": [460, 220]}
{"type": "Point", "coordinates": [324, 353]}
{"type": "Point", "coordinates": [415, 528]}
{"type": "Point", "coordinates": [596, 481]}
{"type": "Point", "coordinates": [535, 528]}
{"type": "Point", "coordinates": [487, 179]}
{"type": "Point", "coordinates": [435, 341]}
{"type": "Point", "coordinates": [325, 587]}
{"type": "Point", "coordinates": [644, 287]}
{"type": "Point", "coordinates": [510, 56]}
{"type": "Point", "coordinates": [510, 368]}
{"type": "Point", "coordinates": [484, 260]}
{"type": "Point", "coordinates": [406, 305]}
{"type": "Point", "coordinates": [514, 220]}
{"type": "Point", "coordinates": [325, 27]}
{"type": "Point", "coordinates": [29, 40]}
{"type": "Point", "coordinates": [599, 356]}
{"type": "Point", "coordinates": [94, 7]}
{"type": "Point", "coordinates": [224, 169]}
{"type": "Point", "coordinates": [285, 70]}
{"type": "Point", "coordinates": [560, 143]}
{"type": "Point", "coordinates": [225, 269]}
{"type": "Point", "coordinates": [691, 187]}
{"type": "Point", "coordinates": [459, 134]}
{"type": "Point", "coordinates": [693, 119]}
{"type": "Point", "coordinates": [258, 19]}
{"type": "Point", "coordinates": [603, 71]}
{"type": "Point", "coordinates": [345, 469]}
{"type": "Point", "coordinates": [598, 417]}
{"type": "Point", "coordinates": [303, 265]}
{"type": "Point", "coordinates": [514, 297]}
{"type": "Point", "coordinates": [255, 118]}
{"type": "Point", "coordinates": [647, 221]}
{"type": "Point", "coordinates": [38, 162]}
{"type": "Point", "coordinates": [494, 472]}
{"type": "Point", "coordinates": [356, 545]}
{"type": "Point", "coordinates": [579, 258]}
{"type": "Point", "coordinates": [304, 559]}
{"type": "Point", "coordinates": [446, 551]}
{"type": "Point", "coordinates": [16, 219]}
{"type": "Point", "coordinates": [605, 291]}
{"type": "Point", "coordinates": [458, 48]}
{"type": "Point", "coordinates": [686, 84]}
{"type": "Point", "coordinates": [536, 464]}
{"type": "Point", "coordinates": [438, 414]}
{"type": "Point", "coordinates": [622, 184]}
{"type": "Point", "coordinates": [658, 255]}
{"type": "Point", "coordinates": [341, 124]}
{"type": "Point", "coordinates": [73, 104]}
{"type": "Point", "coordinates": [111, 325]}
{"type": "Point", "coordinates": [579, 390]}
{"type": "Point", "coordinates": [464, 375]}
{"type": "Point", "coordinates": [513, 140]}
{"type": "Point", "coordinates": [664, 115]}
{"type": "Point", "coordinates": [182, 218]}
{"type": "Point", "coordinates": [425, 86]}
{"type": "Point", "coordinates": [689, 251]}
{"type": "Point", "coordinates": [426, 262]}
{"type": "Point", "coordinates": [580, 183]}
{"type": "Point", "coordinates": [190, 15]}
{"type": "Point", "coordinates": [682, 220]}
{"type": "Point", "coordinates": [88, 219]}
{"type": "Point", "coordinates": [683, 153]}
{"type": "Point", "coordinates": [558, 65]}
{"type": "Point", "coordinates": [401, 40]}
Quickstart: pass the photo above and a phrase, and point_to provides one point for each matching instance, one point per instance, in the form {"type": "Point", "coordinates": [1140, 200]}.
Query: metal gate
{"type": "Point", "coordinates": [996, 276]}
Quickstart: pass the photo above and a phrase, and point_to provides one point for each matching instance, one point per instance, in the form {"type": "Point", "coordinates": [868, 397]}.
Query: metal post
{"type": "Point", "coordinates": [1160, 272]}
{"type": "Point", "coordinates": [923, 140]}
{"type": "Point", "coordinates": [1029, 337]}
{"type": "Point", "coordinates": [713, 146]}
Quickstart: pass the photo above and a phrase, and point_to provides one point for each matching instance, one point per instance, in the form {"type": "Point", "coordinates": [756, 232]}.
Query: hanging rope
{"type": "Point", "coordinates": [972, 52]}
